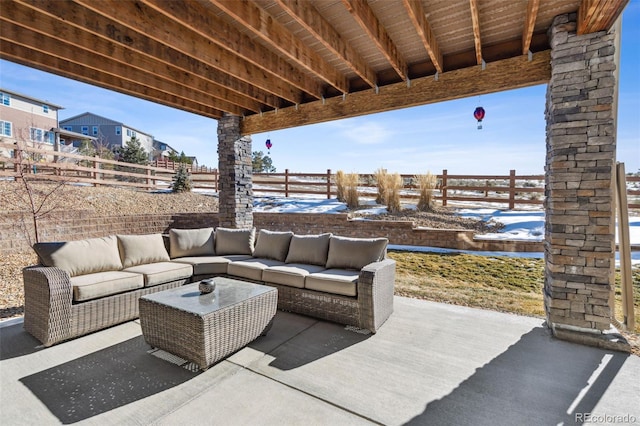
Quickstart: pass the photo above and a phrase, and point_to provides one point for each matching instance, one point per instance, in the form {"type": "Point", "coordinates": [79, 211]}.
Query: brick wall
{"type": "Point", "coordinates": [579, 240]}
{"type": "Point", "coordinates": [65, 227]}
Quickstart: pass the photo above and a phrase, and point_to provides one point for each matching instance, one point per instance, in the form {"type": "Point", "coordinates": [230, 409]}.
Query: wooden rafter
{"type": "Point", "coordinates": [46, 62]}
{"type": "Point", "coordinates": [529, 24]}
{"type": "Point", "coordinates": [365, 17]}
{"type": "Point", "coordinates": [419, 19]}
{"type": "Point", "coordinates": [598, 15]}
{"type": "Point", "coordinates": [280, 39]}
{"type": "Point", "coordinates": [306, 15]}
{"type": "Point", "coordinates": [163, 31]}
{"type": "Point", "coordinates": [49, 27]}
{"type": "Point", "coordinates": [475, 21]}
{"type": "Point", "coordinates": [506, 74]}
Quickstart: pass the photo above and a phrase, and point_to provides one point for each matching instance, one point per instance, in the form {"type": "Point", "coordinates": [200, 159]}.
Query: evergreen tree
{"type": "Point", "coordinates": [262, 163]}
{"type": "Point", "coordinates": [182, 180]}
{"type": "Point", "coordinates": [133, 152]}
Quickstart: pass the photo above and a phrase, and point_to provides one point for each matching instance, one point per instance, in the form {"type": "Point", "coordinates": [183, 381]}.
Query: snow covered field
{"type": "Point", "coordinates": [518, 224]}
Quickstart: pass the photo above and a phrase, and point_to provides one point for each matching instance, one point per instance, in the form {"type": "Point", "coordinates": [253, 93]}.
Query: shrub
{"type": "Point", "coordinates": [426, 185]}
{"type": "Point", "coordinates": [181, 180]}
{"type": "Point", "coordinates": [352, 181]}
{"type": "Point", "coordinates": [340, 185]}
{"type": "Point", "coordinates": [394, 185]}
{"type": "Point", "coordinates": [381, 184]}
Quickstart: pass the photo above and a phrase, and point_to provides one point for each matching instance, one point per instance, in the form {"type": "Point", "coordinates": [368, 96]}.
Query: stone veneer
{"type": "Point", "coordinates": [235, 180]}
{"type": "Point", "coordinates": [579, 205]}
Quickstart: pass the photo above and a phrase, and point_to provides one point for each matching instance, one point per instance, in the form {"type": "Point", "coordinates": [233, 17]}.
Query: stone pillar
{"type": "Point", "coordinates": [235, 185]}
{"type": "Point", "coordinates": [580, 162]}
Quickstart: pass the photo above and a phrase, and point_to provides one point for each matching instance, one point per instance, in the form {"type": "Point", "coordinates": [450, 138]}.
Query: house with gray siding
{"type": "Point", "coordinates": [110, 133]}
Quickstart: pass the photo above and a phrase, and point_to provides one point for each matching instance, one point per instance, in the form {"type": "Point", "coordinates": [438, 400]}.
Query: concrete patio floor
{"type": "Point", "coordinates": [430, 363]}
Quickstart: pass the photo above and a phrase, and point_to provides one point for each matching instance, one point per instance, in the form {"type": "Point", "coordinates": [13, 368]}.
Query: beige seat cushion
{"type": "Point", "coordinates": [251, 268]}
{"type": "Point", "coordinates": [336, 281]}
{"type": "Point", "coordinates": [191, 242]}
{"type": "Point", "coordinates": [81, 257]}
{"type": "Point", "coordinates": [142, 249]}
{"type": "Point", "coordinates": [272, 245]}
{"type": "Point", "coordinates": [355, 253]}
{"type": "Point", "coordinates": [309, 249]}
{"type": "Point", "coordinates": [290, 274]}
{"type": "Point", "coordinates": [234, 241]}
{"type": "Point", "coordinates": [162, 272]}
{"type": "Point", "coordinates": [211, 265]}
{"type": "Point", "coordinates": [100, 284]}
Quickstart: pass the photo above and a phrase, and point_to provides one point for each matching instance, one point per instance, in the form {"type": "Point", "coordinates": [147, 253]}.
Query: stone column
{"type": "Point", "coordinates": [580, 162]}
{"type": "Point", "coordinates": [234, 164]}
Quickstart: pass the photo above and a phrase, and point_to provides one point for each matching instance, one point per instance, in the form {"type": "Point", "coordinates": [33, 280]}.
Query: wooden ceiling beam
{"type": "Point", "coordinates": [157, 27]}
{"type": "Point", "coordinates": [277, 37]}
{"type": "Point", "coordinates": [529, 24]}
{"type": "Point", "coordinates": [367, 20]}
{"type": "Point", "coordinates": [501, 75]}
{"type": "Point", "coordinates": [199, 19]}
{"type": "Point", "coordinates": [307, 16]}
{"type": "Point", "coordinates": [73, 53]}
{"type": "Point", "coordinates": [419, 19]}
{"type": "Point", "coordinates": [49, 26]}
{"type": "Point", "coordinates": [599, 15]}
{"type": "Point", "coordinates": [46, 62]}
{"type": "Point", "coordinates": [119, 35]}
{"type": "Point", "coordinates": [475, 22]}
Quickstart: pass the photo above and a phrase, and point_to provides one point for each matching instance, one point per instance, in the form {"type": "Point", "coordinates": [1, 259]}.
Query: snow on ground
{"type": "Point", "coordinates": [518, 224]}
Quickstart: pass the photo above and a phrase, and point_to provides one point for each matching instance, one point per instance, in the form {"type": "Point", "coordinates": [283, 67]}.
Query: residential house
{"type": "Point", "coordinates": [110, 133]}
{"type": "Point", "coordinates": [163, 150]}
{"type": "Point", "coordinates": [27, 119]}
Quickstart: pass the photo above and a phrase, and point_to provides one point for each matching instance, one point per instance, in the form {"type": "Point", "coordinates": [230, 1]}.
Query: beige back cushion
{"type": "Point", "coordinates": [355, 253]}
{"type": "Point", "coordinates": [191, 242]}
{"type": "Point", "coordinates": [81, 257]}
{"type": "Point", "coordinates": [142, 249]}
{"type": "Point", "coordinates": [234, 241]}
{"type": "Point", "coordinates": [309, 249]}
{"type": "Point", "coordinates": [272, 245]}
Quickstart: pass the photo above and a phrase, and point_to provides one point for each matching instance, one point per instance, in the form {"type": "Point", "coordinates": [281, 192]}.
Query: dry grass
{"type": "Point", "coordinates": [381, 184]}
{"type": "Point", "coordinates": [351, 183]}
{"type": "Point", "coordinates": [426, 185]}
{"type": "Point", "coordinates": [340, 185]}
{"type": "Point", "coordinates": [394, 185]}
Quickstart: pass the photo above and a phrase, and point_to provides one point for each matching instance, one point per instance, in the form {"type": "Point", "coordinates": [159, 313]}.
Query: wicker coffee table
{"type": "Point", "coordinates": [207, 328]}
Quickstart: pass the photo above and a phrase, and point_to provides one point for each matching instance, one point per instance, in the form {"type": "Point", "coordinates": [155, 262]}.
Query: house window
{"type": "Point", "coordinates": [133, 134]}
{"type": "Point", "coordinates": [85, 130]}
{"type": "Point", "coordinates": [49, 137]}
{"type": "Point", "coordinates": [118, 130]}
{"type": "Point", "coordinates": [5, 128]}
{"type": "Point", "coordinates": [128, 132]}
{"type": "Point", "coordinates": [6, 99]}
{"type": "Point", "coordinates": [68, 128]}
{"type": "Point", "coordinates": [45, 109]}
{"type": "Point", "coordinates": [36, 134]}
{"type": "Point", "coordinates": [95, 130]}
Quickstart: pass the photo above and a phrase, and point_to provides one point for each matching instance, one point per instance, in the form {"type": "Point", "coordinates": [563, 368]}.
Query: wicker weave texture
{"type": "Point", "coordinates": [208, 338]}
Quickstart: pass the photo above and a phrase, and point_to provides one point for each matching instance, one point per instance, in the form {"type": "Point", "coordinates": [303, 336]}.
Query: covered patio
{"type": "Point", "coordinates": [431, 363]}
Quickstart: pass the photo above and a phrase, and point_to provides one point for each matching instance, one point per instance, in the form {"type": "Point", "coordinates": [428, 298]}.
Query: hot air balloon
{"type": "Point", "coordinates": [479, 115]}
{"type": "Point", "coordinates": [269, 145]}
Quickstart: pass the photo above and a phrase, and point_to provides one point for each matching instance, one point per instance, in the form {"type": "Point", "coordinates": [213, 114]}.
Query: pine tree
{"type": "Point", "coordinates": [181, 180]}
{"type": "Point", "coordinates": [133, 152]}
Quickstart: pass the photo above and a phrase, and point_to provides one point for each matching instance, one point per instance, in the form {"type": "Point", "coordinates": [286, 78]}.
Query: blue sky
{"type": "Point", "coordinates": [414, 140]}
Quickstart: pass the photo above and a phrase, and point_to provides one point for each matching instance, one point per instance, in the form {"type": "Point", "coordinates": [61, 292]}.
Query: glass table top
{"type": "Point", "coordinates": [228, 292]}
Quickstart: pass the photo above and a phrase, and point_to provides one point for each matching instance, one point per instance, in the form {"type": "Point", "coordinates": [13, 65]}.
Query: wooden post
{"type": "Point", "coordinates": [95, 175]}
{"type": "Point", "coordinates": [286, 183]}
{"type": "Point", "coordinates": [626, 282]}
{"type": "Point", "coordinates": [149, 180]}
{"type": "Point", "coordinates": [512, 189]}
{"type": "Point", "coordinates": [328, 184]}
{"type": "Point", "coordinates": [443, 188]}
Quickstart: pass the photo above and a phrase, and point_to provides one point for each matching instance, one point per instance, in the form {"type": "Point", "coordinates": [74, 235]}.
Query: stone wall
{"type": "Point", "coordinates": [65, 227]}
{"type": "Point", "coordinates": [579, 240]}
{"type": "Point", "coordinates": [235, 179]}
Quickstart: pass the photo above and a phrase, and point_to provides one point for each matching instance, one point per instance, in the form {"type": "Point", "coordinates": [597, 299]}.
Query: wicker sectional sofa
{"type": "Point", "coordinates": [87, 285]}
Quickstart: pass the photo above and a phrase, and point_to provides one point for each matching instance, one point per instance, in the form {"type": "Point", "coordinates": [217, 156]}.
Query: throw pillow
{"type": "Point", "coordinates": [272, 245]}
{"type": "Point", "coordinates": [142, 249]}
{"type": "Point", "coordinates": [355, 253]}
{"type": "Point", "coordinates": [309, 249]}
{"type": "Point", "coordinates": [81, 257]}
{"type": "Point", "coordinates": [191, 242]}
{"type": "Point", "coordinates": [234, 241]}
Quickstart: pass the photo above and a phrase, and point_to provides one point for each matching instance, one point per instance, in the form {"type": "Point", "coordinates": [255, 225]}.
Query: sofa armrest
{"type": "Point", "coordinates": [375, 293]}
{"type": "Point", "coordinates": [47, 303]}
